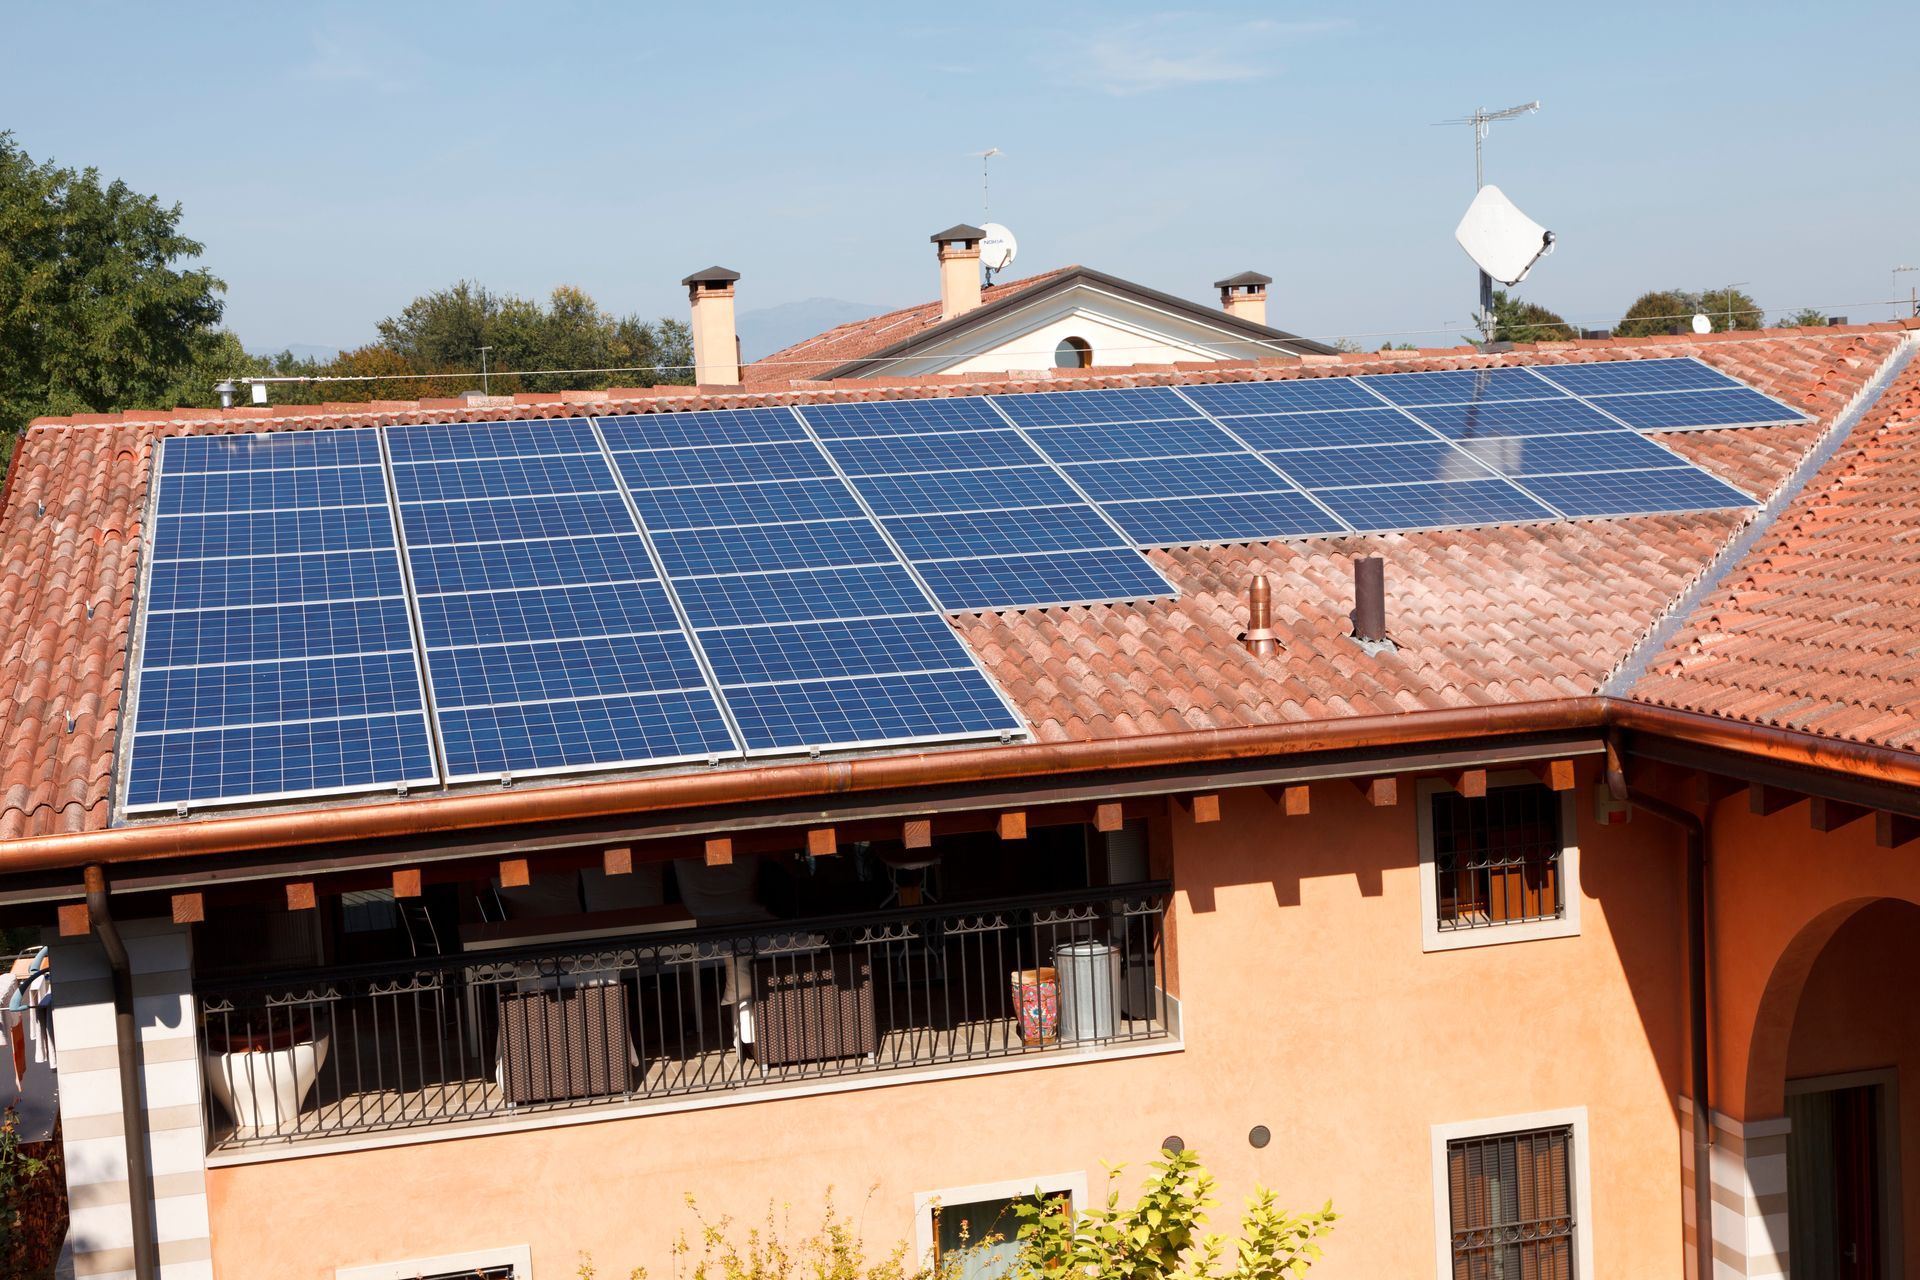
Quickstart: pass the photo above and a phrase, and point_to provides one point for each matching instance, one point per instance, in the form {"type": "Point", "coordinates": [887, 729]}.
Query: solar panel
{"type": "Point", "coordinates": [816, 635]}
{"type": "Point", "coordinates": [1324, 430]}
{"type": "Point", "coordinates": [1692, 410]}
{"type": "Point", "coordinates": [550, 642]}
{"type": "Point", "coordinates": [1378, 464]}
{"type": "Point", "coordinates": [1108, 441]}
{"type": "Point", "coordinates": [1460, 386]}
{"type": "Point", "coordinates": [1614, 377]}
{"type": "Point", "coordinates": [980, 514]}
{"type": "Point", "coordinates": [1242, 517]}
{"type": "Point", "coordinates": [1513, 418]}
{"type": "Point", "coordinates": [1549, 455]}
{"type": "Point", "coordinates": [1127, 404]}
{"type": "Point", "coordinates": [276, 656]}
{"type": "Point", "coordinates": [1396, 508]}
{"type": "Point", "coordinates": [1293, 395]}
{"type": "Point", "coordinates": [1620, 493]}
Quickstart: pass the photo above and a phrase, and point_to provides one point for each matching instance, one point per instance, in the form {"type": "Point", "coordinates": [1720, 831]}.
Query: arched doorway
{"type": "Point", "coordinates": [1836, 1055]}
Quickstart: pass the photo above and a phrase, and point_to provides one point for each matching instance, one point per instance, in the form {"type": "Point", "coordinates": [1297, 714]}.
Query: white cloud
{"type": "Point", "coordinates": [1179, 50]}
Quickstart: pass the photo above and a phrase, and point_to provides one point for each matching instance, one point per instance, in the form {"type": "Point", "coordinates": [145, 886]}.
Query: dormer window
{"type": "Point", "coordinates": [1073, 353]}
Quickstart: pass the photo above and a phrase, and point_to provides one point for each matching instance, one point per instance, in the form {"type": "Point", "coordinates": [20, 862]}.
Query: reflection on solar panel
{"type": "Point", "coordinates": [1162, 471]}
{"type": "Point", "coordinates": [1660, 395]}
{"type": "Point", "coordinates": [550, 642]}
{"type": "Point", "coordinates": [976, 510]}
{"type": "Point", "coordinates": [277, 658]}
{"type": "Point", "coordinates": [857, 656]}
{"type": "Point", "coordinates": [1460, 386]}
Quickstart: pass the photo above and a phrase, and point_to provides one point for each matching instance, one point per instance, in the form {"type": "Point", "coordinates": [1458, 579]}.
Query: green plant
{"type": "Point", "coordinates": [771, 1251]}
{"type": "Point", "coordinates": [33, 1203]}
{"type": "Point", "coordinates": [1161, 1235]}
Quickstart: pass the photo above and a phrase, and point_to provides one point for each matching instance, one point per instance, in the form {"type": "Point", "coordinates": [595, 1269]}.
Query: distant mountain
{"type": "Point", "coordinates": [768, 329]}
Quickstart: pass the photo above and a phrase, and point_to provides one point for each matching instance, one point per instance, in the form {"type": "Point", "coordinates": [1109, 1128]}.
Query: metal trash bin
{"type": "Point", "coordinates": [1089, 991]}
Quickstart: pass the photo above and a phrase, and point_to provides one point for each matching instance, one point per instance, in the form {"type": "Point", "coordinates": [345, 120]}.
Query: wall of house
{"type": "Point", "coordinates": [1310, 1008]}
{"type": "Point", "coordinates": [1120, 331]}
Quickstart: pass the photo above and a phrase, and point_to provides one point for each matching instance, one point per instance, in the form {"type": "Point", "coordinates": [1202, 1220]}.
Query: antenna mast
{"type": "Point", "coordinates": [1482, 122]}
{"type": "Point", "coordinates": [985, 203]}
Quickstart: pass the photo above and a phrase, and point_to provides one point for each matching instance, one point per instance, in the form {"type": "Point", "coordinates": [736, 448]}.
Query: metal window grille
{"type": "Point", "coordinates": [1511, 1202]}
{"type": "Point", "coordinates": [317, 1052]}
{"type": "Point", "coordinates": [502, 1272]}
{"type": "Point", "coordinates": [1496, 857]}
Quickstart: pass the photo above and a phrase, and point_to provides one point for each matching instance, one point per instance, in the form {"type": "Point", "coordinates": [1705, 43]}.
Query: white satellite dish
{"type": "Point", "coordinates": [1502, 241]}
{"type": "Point", "coordinates": [1701, 324]}
{"type": "Point", "coordinates": [998, 249]}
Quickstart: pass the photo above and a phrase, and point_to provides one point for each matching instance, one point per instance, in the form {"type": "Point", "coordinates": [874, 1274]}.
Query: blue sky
{"type": "Point", "coordinates": [339, 159]}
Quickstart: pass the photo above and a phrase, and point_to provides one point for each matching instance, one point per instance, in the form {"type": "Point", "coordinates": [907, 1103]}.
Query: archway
{"type": "Point", "coordinates": [1836, 1056]}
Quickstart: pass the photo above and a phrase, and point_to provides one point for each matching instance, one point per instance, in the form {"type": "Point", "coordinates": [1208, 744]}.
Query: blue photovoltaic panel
{"type": "Point", "coordinates": [1682, 410]}
{"type": "Point", "coordinates": [276, 656]}
{"type": "Point", "coordinates": [1395, 507]}
{"type": "Point", "coordinates": [1243, 517]}
{"type": "Point", "coordinates": [1513, 418]}
{"type": "Point", "coordinates": [1551, 455]}
{"type": "Point", "coordinates": [816, 635]}
{"type": "Point", "coordinates": [1127, 404]}
{"type": "Point", "coordinates": [903, 417]}
{"type": "Point", "coordinates": [1460, 386]}
{"type": "Point", "coordinates": [550, 642]}
{"type": "Point", "coordinates": [1619, 493]}
{"type": "Point", "coordinates": [1107, 442]}
{"type": "Point", "coordinates": [1133, 479]}
{"type": "Point", "coordinates": [1327, 430]}
{"type": "Point", "coordinates": [1294, 395]}
{"type": "Point", "coordinates": [1378, 464]}
{"type": "Point", "coordinates": [699, 429]}
{"type": "Point", "coordinates": [1614, 377]}
{"type": "Point", "coordinates": [979, 512]}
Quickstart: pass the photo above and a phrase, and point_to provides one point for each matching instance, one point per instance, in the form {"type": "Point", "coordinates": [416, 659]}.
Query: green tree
{"type": "Point", "coordinates": [1672, 311]}
{"type": "Point", "coordinates": [1804, 318]}
{"type": "Point", "coordinates": [1731, 308]}
{"type": "Point", "coordinates": [1161, 1238]}
{"type": "Point", "coordinates": [1516, 320]}
{"type": "Point", "coordinates": [96, 310]}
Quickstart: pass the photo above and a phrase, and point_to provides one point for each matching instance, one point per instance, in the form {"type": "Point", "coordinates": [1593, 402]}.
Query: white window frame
{"type": "Point", "coordinates": [1073, 1185]}
{"type": "Point", "coordinates": [517, 1256]}
{"type": "Point", "coordinates": [1567, 1117]}
{"type": "Point", "coordinates": [1434, 938]}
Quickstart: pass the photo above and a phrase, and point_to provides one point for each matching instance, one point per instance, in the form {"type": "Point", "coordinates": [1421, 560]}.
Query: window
{"type": "Point", "coordinates": [1511, 1198]}
{"type": "Point", "coordinates": [512, 1263]}
{"type": "Point", "coordinates": [1073, 353]}
{"type": "Point", "coordinates": [981, 1223]}
{"type": "Point", "coordinates": [1498, 867]}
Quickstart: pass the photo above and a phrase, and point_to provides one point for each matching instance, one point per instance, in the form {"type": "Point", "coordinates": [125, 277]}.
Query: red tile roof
{"type": "Point", "coordinates": [1479, 616]}
{"type": "Point", "coordinates": [856, 338]}
{"type": "Point", "coordinates": [1817, 627]}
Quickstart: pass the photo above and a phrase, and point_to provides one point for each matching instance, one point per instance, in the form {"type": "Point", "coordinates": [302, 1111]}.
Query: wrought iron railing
{"type": "Point", "coordinates": [324, 1052]}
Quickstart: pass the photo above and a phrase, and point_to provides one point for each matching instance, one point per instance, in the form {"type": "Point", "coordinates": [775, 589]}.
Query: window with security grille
{"type": "Point", "coordinates": [1511, 1206]}
{"type": "Point", "coordinates": [1496, 858]}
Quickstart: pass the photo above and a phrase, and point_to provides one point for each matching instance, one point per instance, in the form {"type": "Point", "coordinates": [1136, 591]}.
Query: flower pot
{"type": "Point", "coordinates": [1036, 1004]}
{"type": "Point", "coordinates": [263, 1079]}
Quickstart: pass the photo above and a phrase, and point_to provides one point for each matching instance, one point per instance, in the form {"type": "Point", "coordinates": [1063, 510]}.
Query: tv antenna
{"type": "Point", "coordinates": [1482, 121]}
{"type": "Point", "coordinates": [988, 154]}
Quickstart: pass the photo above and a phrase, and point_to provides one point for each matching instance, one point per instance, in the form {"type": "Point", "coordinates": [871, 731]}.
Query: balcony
{"type": "Point", "coordinates": [658, 1016]}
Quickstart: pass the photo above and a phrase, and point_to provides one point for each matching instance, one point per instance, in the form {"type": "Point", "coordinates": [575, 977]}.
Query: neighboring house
{"type": "Point", "coordinates": [1072, 318]}
{"type": "Point", "coordinates": [1553, 902]}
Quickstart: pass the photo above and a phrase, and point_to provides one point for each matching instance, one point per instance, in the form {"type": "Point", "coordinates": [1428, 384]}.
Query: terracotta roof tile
{"type": "Point", "coordinates": [1479, 616]}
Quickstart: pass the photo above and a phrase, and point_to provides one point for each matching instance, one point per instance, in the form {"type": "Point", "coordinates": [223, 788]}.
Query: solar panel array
{"type": "Point", "coordinates": [591, 594]}
{"type": "Point", "coordinates": [276, 655]}
{"type": "Point", "coordinates": [816, 634]}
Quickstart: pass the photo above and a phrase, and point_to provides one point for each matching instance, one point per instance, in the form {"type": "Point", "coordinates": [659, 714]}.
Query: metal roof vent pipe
{"type": "Point", "coordinates": [1370, 604]}
{"type": "Point", "coordinates": [1258, 639]}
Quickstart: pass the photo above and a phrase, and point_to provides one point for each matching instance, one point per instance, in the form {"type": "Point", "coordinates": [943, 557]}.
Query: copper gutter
{"type": "Point", "coordinates": [431, 814]}
{"type": "Point", "coordinates": [1788, 746]}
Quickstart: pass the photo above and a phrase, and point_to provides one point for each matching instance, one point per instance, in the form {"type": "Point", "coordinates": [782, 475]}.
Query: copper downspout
{"type": "Point", "coordinates": [126, 1037]}
{"type": "Point", "coordinates": [588, 800]}
{"type": "Point", "coordinates": [1694, 828]}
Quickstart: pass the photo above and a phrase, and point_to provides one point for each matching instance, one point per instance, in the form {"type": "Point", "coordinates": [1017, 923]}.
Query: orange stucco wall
{"type": "Point", "coordinates": [1309, 1005]}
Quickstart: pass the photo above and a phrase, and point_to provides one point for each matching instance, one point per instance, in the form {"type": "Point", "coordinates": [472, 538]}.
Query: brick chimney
{"type": "Point", "coordinates": [959, 269]}
{"type": "Point", "coordinates": [1245, 296]}
{"type": "Point", "coordinates": [716, 346]}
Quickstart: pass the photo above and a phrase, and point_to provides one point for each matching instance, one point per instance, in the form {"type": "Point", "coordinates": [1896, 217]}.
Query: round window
{"type": "Point", "coordinates": [1073, 353]}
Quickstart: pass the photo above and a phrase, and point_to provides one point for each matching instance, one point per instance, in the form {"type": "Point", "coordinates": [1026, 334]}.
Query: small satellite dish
{"type": "Point", "coordinates": [1701, 324]}
{"type": "Point", "coordinates": [1502, 241]}
{"type": "Point", "coordinates": [998, 249]}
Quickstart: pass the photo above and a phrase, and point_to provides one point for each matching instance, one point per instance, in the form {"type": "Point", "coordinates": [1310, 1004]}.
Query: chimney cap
{"type": "Point", "coordinates": [958, 231]}
{"type": "Point", "coordinates": [712, 275]}
{"type": "Point", "coordinates": [1244, 278]}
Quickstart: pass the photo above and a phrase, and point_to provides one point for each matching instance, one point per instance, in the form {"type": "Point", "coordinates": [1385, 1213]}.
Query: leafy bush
{"type": "Point", "coordinates": [33, 1203]}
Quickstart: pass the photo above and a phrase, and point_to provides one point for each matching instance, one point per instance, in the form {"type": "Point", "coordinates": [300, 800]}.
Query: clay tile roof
{"type": "Point", "coordinates": [1819, 626]}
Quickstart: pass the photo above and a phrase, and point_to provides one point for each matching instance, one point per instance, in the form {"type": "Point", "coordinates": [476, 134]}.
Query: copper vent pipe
{"type": "Point", "coordinates": [1370, 599]}
{"type": "Point", "coordinates": [1258, 638]}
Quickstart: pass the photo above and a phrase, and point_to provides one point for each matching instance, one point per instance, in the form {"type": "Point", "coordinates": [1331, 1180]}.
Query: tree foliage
{"type": "Point", "coordinates": [1672, 311]}
{"type": "Point", "coordinates": [1161, 1236]}
{"type": "Point", "coordinates": [1804, 318]}
{"type": "Point", "coordinates": [1516, 320]}
{"type": "Point", "coordinates": [97, 312]}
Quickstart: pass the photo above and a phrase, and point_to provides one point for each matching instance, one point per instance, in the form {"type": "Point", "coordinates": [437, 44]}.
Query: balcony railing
{"type": "Point", "coordinates": [326, 1052]}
